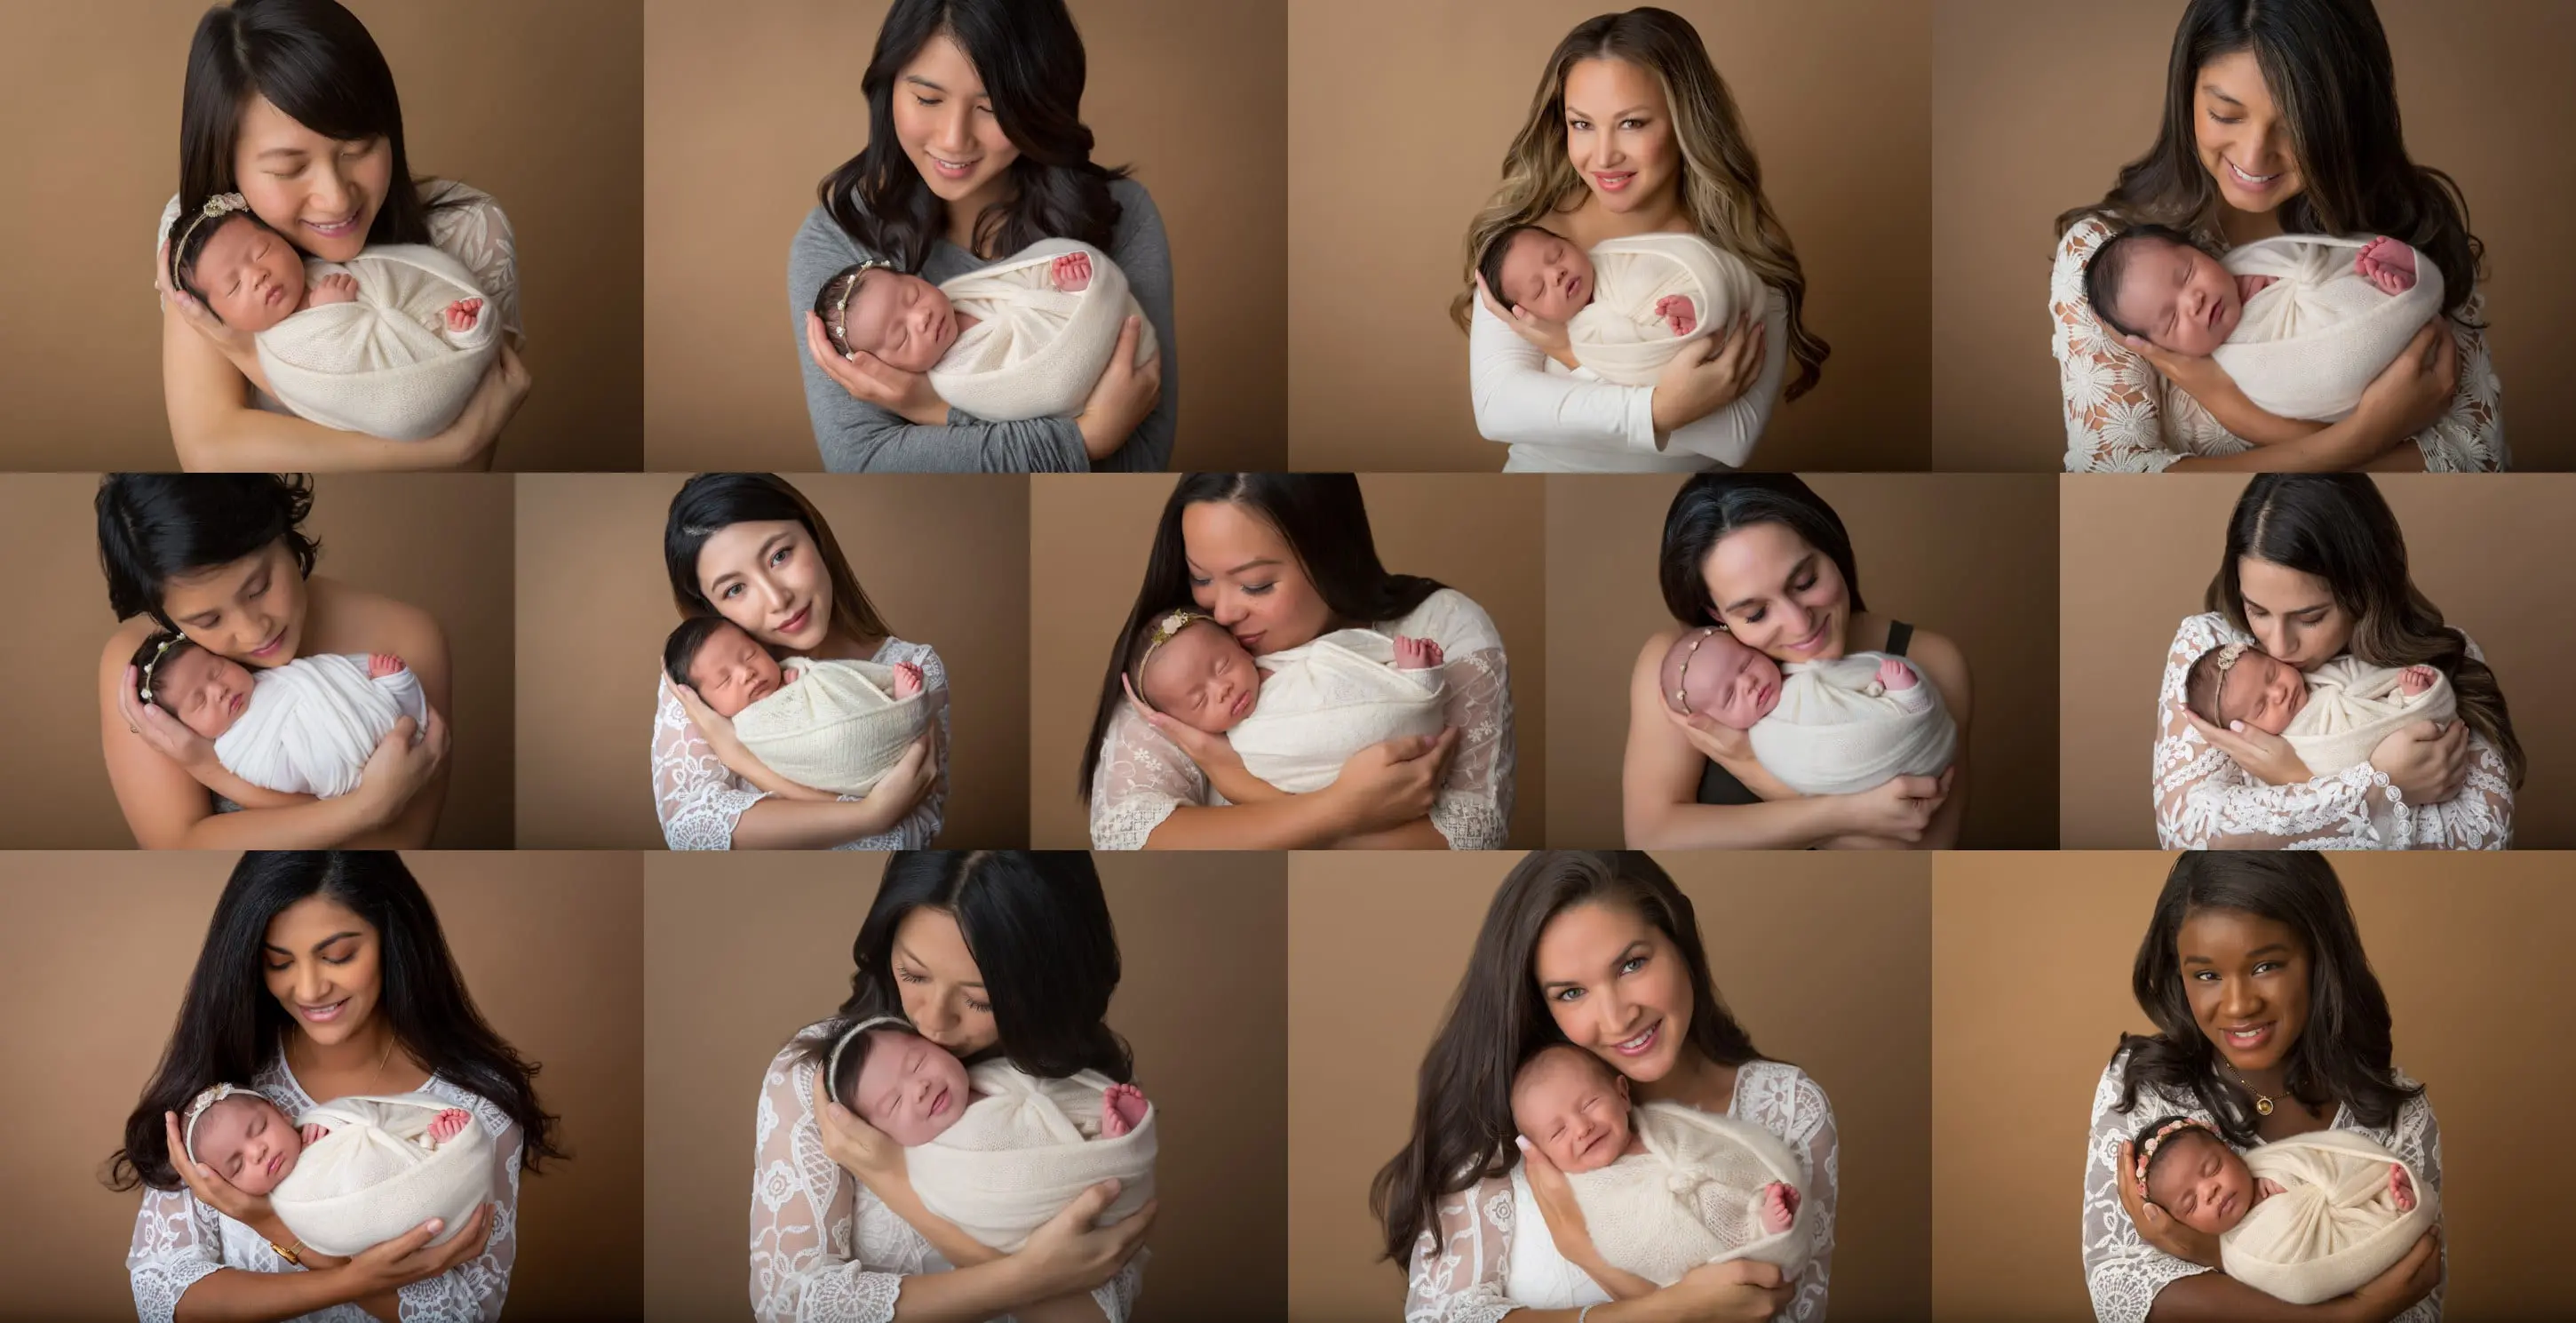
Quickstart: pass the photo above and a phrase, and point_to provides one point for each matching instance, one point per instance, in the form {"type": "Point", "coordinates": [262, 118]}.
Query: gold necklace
{"type": "Point", "coordinates": [2262, 1104]}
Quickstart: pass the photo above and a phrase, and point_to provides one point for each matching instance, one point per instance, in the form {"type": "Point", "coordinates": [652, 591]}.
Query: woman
{"type": "Point", "coordinates": [1763, 558]}
{"type": "Point", "coordinates": [977, 149]}
{"type": "Point", "coordinates": [1279, 560]}
{"type": "Point", "coordinates": [2315, 568]}
{"type": "Point", "coordinates": [1601, 951]}
{"type": "Point", "coordinates": [290, 104]}
{"type": "Point", "coordinates": [223, 559]}
{"type": "Point", "coordinates": [991, 955]}
{"type": "Point", "coordinates": [324, 975]}
{"type": "Point", "coordinates": [1632, 132]}
{"type": "Point", "coordinates": [751, 548]}
{"type": "Point", "coordinates": [2249, 940]}
{"type": "Point", "coordinates": [2280, 118]}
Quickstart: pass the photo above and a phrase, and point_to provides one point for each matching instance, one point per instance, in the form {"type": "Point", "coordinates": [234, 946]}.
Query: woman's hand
{"type": "Point", "coordinates": [496, 400]}
{"type": "Point", "coordinates": [901, 789]}
{"type": "Point", "coordinates": [1556, 1205]}
{"type": "Point", "coordinates": [1068, 1254]}
{"type": "Point", "coordinates": [859, 1148]}
{"type": "Point", "coordinates": [1124, 396]}
{"type": "Point", "coordinates": [1718, 744]}
{"type": "Point", "coordinates": [209, 1188]}
{"type": "Point", "coordinates": [1550, 337]}
{"type": "Point", "coordinates": [715, 730]}
{"type": "Point", "coordinates": [2266, 757]}
{"type": "Point", "coordinates": [871, 380]}
{"type": "Point", "coordinates": [1901, 809]}
{"type": "Point", "coordinates": [410, 1258]}
{"type": "Point", "coordinates": [235, 343]}
{"type": "Point", "coordinates": [400, 766]}
{"type": "Point", "coordinates": [2427, 763]}
{"type": "Point", "coordinates": [161, 732]}
{"type": "Point", "coordinates": [1737, 1291]}
{"type": "Point", "coordinates": [2407, 1281]}
{"type": "Point", "coordinates": [1709, 374]}
{"type": "Point", "coordinates": [1390, 784]}
{"type": "Point", "coordinates": [1199, 746]}
{"type": "Point", "coordinates": [2199, 375]}
{"type": "Point", "coordinates": [2414, 390]}
{"type": "Point", "coordinates": [2157, 1228]}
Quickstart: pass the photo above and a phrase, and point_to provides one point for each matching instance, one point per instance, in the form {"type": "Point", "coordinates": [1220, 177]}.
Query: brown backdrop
{"type": "Point", "coordinates": [754, 102]}
{"type": "Point", "coordinates": [1199, 944]}
{"type": "Point", "coordinates": [2013, 1079]}
{"type": "Point", "coordinates": [1399, 116]}
{"type": "Point", "coordinates": [1824, 962]}
{"type": "Point", "coordinates": [2037, 106]}
{"type": "Point", "coordinates": [550, 947]}
{"type": "Point", "coordinates": [1966, 556]}
{"type": "Point", "coordinates": [440, 542]}
{"type": "Point", "coordinates": [539, 105]}
{"type": "Point", "coordinates": [1089, 536]}
{"type": "Point", "coordinates": [944, 557]}
{"type": "Point", "coordinates": [2493, 552]}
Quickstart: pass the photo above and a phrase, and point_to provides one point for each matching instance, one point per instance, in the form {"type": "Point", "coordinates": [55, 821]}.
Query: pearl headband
{"type": "Point", "coordinates": [837, 328]}
{"type": "Point", "coordinates": [167, 643]}
{"type": "Point", "coordinates": [1679, 696]}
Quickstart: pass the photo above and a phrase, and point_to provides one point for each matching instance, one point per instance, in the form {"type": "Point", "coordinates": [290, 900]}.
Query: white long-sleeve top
{"type": "Point", "coordinates": [1561, 420]}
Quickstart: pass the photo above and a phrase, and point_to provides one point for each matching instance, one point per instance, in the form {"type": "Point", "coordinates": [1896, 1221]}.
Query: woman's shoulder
{"type": "Point", "coordinates": [821, 242]}
{"type": "Point", "coordinates": [1765, 1076]}
{"type": "Point", "coordinates": [377, 614]}
{"type": "Point", "coordinates": [2202, 632]}
{"type": "Point", "coordinates": [2076, 246]}
{"type": "Point", "coordinates": [1136, 209]}
{"type": "Point", "coordinates": [122, 641]}
{"type": "Point", "coordinates": [895, 650]}
{"type": "Point", "coordinates": [466, 222]}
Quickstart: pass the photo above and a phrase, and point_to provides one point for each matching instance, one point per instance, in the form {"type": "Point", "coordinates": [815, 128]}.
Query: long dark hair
{"type": "Point", "coordinates": [153, 527]}
{"type": "Point", "coordinates": [1031, 61]}
{"type": "Point", "coordinates": [2327, 63]}
{"type": "Point", "coordinates": [311, 59]}
{"type": "Point", "coordinates": [1712, 505]}
{"type": "Point", "coordinates": [2339, 528]}
{"type": "Point", "coordinates": [1462, 1111]}
{"type": "Point", "coordinates": [1326, 525]}
{"type": "Point", "coordinates": [711, 502]}
{"type": "Point", "coordinates": [2343, 1054]}
{"type": "Point", "coordinates": [1038, 927]}
{"type": "Point", "coordinates": [230, 1025]}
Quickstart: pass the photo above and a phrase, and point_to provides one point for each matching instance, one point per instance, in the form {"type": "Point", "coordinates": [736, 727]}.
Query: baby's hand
{"type": "Point", "coordinates": [1779, 1206]}
{"type": "Point", "coordinates": [907, 679]}
{"type": "Point", "coordinates": [1073, 272]}
{"type": "Point", "coordinates": [1122, 1108]}
{"type": "Point", "coordinates": [382, 664]}
{"type": "Point", "coordinates": [2388, 264]}
{"type": "Point", "coordinates": [2401, 1187]}
{"type": "Point", "coordinates": [2269, 1187]}
{"type": "Point", "coordinates": [1416, 654]}
{"type": "Point", "coordinates": [1895, 674]}
{"type": "Point", "coordinates": [313, 1133]}
{"type": "Point", "coordinates": [448, 1124]}
{"type": "Point", "coordinates": [1677, 313]}
{"type": "Point", "coordinates": [2417, 679]}
{"type": "Point", "coordinates": [337, 287]}
{"type": "Point", "coordinates": [461, 314]}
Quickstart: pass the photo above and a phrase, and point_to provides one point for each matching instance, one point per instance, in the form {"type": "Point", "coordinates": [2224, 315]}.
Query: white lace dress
{"type": "Point", "coordinates": [699, 799]}
{"type": "Point", "coordinates": [2124, 1273]}
{"type": "Point", "coordinates": [2204, 801]}
{"type": "Point", "coordinates": [2123, 417]}
{"type": "Point", "coordinates": [825, 1250]}
{"type": "Point", "coordinates": [178, 1240]}
{"type": "Point", "coordinates": [1458, 1271]}
{"type": "Point", "coordinates": [1142, 776]}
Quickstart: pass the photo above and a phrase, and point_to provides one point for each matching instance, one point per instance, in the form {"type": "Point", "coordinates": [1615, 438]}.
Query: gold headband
{"type": "Point", "coordinates": [221, 204]}
{"type": "Point", "coordinates": [1165, 630]}
{"type": "Point", "coordinates": [167, 643]}
{"type": "Point", "coordinates": [837, 327]}
{"type": "Point", "coordinates": [1684, 674]}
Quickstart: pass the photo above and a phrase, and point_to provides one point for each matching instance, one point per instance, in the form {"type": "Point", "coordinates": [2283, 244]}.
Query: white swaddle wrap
{"type": "Point", "coordinates": [2312, 339]}
{"type": "Point", "coordinates": [1836, 730]}
{"type": "Point", "coordinates": [312, 723]}
{"type": "Point", "coordinates": [1035, 351]}
{"type": "Point", "coordinates": [2333, 1227]}
{"type": "Point", "coordinates": [1693, 1197]}
{"type": "Point", "coordinates": [376, 1175]}
{"type": "Point", "coordinates": [2352, 706]}
{"type": "Point", "coordinates": [384, 364]}
{"type": "Point", "coordinates": [1017, 1156]}
{"type": "Point", "coordinates": [833, 725]}
{"type": "Point", "coordinates": [1329, 699]}
{"type": "Point", "coordinates": [1618, 335]}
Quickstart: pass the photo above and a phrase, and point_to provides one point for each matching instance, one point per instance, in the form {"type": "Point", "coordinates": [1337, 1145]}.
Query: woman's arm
{"type": "Point", "coordinates": [2113, 421]}
{"type": "Point", "coordinates": [473, 1291]}
{"type": "Point", "coordinates": [1474, 807]}
{"type": "Point", "coordinates": [2204, 801]}
{"type": "Point", "coordinates": [1804, 1119]}
{"type": "Point", "coordinates": [1728, 435]}
{"type": "Point", "coordinates": [1659, 784]}
{"type": "Point", "coordinates": [2125, 1275]}
{"type": "Point", "coordinates": [215, 427]}
{"type": "Point", "coordinates": [1456, 1275]}
{"type": "Point", "coordinates": [703, 807]}
{"type": "Point", "coordinates": [1940, 660]}
{"type": "Point", "coordinates": [2469, 438]}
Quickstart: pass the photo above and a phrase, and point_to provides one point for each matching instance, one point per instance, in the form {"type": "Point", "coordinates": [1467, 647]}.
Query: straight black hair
{"type": "Point", "coordinates": [1712, 505]}
{"type": "Point", "coordinates": [2102, 271]}
{"type": "Point", "coordinates": [709, 503]}
{"type": "Point", "coordinates": [153, 527]}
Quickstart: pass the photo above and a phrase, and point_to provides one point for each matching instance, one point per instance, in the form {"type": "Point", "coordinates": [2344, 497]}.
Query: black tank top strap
{"type": "Point", "coordinates": [1898, 635]}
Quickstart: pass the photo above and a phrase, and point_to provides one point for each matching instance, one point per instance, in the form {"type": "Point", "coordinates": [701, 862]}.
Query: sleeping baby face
{"type": "Point", "coordinates": [2177, 296]}
{"type": "Point", "coordinates": [2261, 691]}
{"type": "Point", "coordinates": [1734, 685]}
{"type": "Point", "coordinates": [247, 1141]}
{"type": "Point", "coordinates": [205, 692]}
{"type": "Point", "coordinates": [910, 1088]}
{"type": "Point", "coordinates": [1546, 275]}
{"type": "Point", "coordinates": [2201, 1181]}
{"type": "Point", "coordinates": [1572, 1108]}
{"type": "Point", "coordinates": [732, 671]}
{"type": "Point", "coordinates": [1202, 678]}
{"type": "Point", "coordinates": [250, 277]}
{"type": "Point", "coordinates": [902, 319]}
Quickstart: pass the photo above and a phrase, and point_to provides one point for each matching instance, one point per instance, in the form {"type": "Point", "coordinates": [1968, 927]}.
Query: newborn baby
{"type": "Point", "coordinates": [731, 671]}
{"type": "Point", "coordinates": [1545, 275]}
{"type": "Point", "coordinates": [1573, 1108]}
{"type": "Point", "coordinates": [2333, 717]}
{"type": "Point", "coordinates": [1708, 670]}
{"type": "Point", "coordinates": [2154, 283]}
{"type": "Point", "coordinates": [250, 1143]}
{"type": "Point", "coordinates": [905, 320]}
{"type": "Point", "coordinates": [1198, 675]}
{"type": "Point", "coordinates": [2303, 1219]}
{"type": "Point", "coordinates": [303, 728]}
{"type": "Point", "coordinates": [251, 278]}
{"type": "Point", "coordinates": [2232, 683]}
{"type": "Point", "coordinates": [832, 726]}
{"type": "Point", "coordinates": [914, 1090]}
{"type": "Point", "coordinates": [1830, 727]}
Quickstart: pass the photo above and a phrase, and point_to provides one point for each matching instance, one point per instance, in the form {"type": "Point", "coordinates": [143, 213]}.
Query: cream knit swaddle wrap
{"type": "Point", "coordinates": [386, 364]}
{"type": "Point", "coordinates": [311, 724]}
{"type": "Point", "coordinates": [2352, 706]}
{"type": "Point", "coordinates": [1836, 730]}
{"type": "Point", "coordinates": [1693, 1197]}
{"type": "Point", "coordinates": [2310, 341]}
{"type": "Point", "coordinates": [1017, 1156]}
{"type": "Point", "coordinates": [1618, 335]}
{"type": "Point", "coordinates": [1329, 699]}
{"type": "Point", "coordinates": [375, 1176]}
{"type": "Point", "coordinates": [1035, 351]}
{"type": "Point", "coordinates": [2333, 1227]}
{"type": "Point", "coordinates": [834, 725]}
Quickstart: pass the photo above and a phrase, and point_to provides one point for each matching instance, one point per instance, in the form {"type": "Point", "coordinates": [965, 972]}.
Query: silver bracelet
{"type": "Point", "coordinates": [1584, 1313]}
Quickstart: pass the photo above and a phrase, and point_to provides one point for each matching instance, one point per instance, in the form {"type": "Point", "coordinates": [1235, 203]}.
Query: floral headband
{"type": "Point", "coordinates": [1679, 694]}
{"type": "Point", "coordinates": [832, 1067]}
{"type": "Point", "coordinates": [2230, 654]}
{"type": "Point", "coordinates": [168, 642]}
{"type": "Point", "coordinates": [221, 204]}
{"type": "Point", "coordinates": [2147, 1150]}
{"type": "Point", "coordinates": [1165, 630]}
{"type": "Point", "coordinates": [197, 1107]}
{"type": "Point", "coordinates": [837, 326]}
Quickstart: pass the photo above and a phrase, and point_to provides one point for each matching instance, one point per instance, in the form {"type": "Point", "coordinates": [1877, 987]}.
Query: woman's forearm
{"type": "Point", "coordinates": [789, 824]}
{"type": "Point", "coordinates": [1788, 824]}
{"type": "Point", "coordinates": [320, 824]}
{"type": "Point", "coordinates": [1418, 834]}
{"type": "Point", "coordinates": [233, 1295]}
{"type": "Point", "coordinates": [244, 439]}
{"type": "Point", "coordinates": [2334, 448]}
{"type": "Point", "coordinates": [2214, 1297]}
{"type": "Point", "coordinates": [966, 1295]}
{"type": "Point", "coordinates": [1296, 822]}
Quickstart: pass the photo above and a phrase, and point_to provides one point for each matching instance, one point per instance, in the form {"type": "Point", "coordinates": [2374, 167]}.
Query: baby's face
{"type": "Point", "coordinates": [1202, 678]}
{"type": "Point", "coordinates": [2180, 296]}
{"type": "Point", "coordinates": [1734, 685]}
{"type": "Point", "coordinates": [909, 1087]}
{"type": "Point", "coordinates": [1574, 1108]}
{"type": "Point", "coordinates": [206, 692]}
{"type": "Point", "coordinates": [900, 318]}
{"type": "Point", "coordinates": [732, 671]}
{"type": "Point", "coordinates": [2262, 692]}
{"type": "Point", "coordinates": [2205, 1185]}
{"type": "Point", "coordinates": [248, 1142]}
{"type": "Point", "coordinates": [251, 278]}
{"type": "Point", "coordinates": [1548, 277]}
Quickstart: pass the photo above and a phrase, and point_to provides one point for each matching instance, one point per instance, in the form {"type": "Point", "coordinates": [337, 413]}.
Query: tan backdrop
{"type": "Point", "coordinates": [944, 557]}
{"type": "Point", "coordinates": [539, 105]}
{"type": "Point", "coordinates": [2013, 1079]}
{"type": "Point", "coordinates": [550, 947]}
{"type": "Point", "coordinates": [1396, 138]}
{"type": "Point", "coordinates": [1966, 556]}
{"type": "Point", "coordinates": [1199, 946]}
{"type": "Point", "coordinates": [2493, 552]}
{"type": "Point", "coordinates": [440, 542]}
{"type": "Point", "coordinates": [2036, 106]}
{"type": "Point", "coordinates": [1824, 962]}
{"type": "Point", "coordinates": [1088, 542]}
{"type": "Point", "coordinates": [753, 103]}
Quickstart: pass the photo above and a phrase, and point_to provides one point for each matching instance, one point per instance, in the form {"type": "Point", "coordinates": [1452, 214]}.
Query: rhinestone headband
{"type": "Point", "coordinates": [837, 327]}
{"type": "Point", "coordinates": [221, 204]}
{"type": "Point", "coordinates": [1165, 630]}
{"type": "Point", "coordinates": [168, 641]}
{"type": "Point", "coordinates": [2163, 1132]}
{"type": "Point", "coordinates": [832, 1067]}
{"type": "Point", "coordinates": [2230, 654]}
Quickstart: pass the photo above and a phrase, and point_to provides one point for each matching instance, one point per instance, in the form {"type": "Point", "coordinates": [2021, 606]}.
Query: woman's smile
{"type": "Point", "coordinates": [2251, 182]}
{"type": "Point", "coordinates": [1612, 181]}
{"type": "Point", "coordinates": [339, 227]}
{"type": "Point", "coordinates": [792, 624]}
{"type": "Point", "coordinates": [1640, 1044]}
{"type": "Point", "coordinates": [322, 1014]}
{"type": "Point", "coordinates": [270, 646]}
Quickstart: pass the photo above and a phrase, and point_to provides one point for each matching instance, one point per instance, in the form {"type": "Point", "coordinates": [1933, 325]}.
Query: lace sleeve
{"type": "Point", "coordinates": [468, 225]}
{"type": "Point", "coordinates": [697, 799]}
{"type": "Point", "coordinates": [1474, 808]}
{"type": "Point", "coordinates": [2417, 1141]}
{"type": "Point", "coordinates": [921, 826]}
{"type": "Point", "coordinates": [2470, 438]}
{"type": "Point", "coordinates": [2113, 423]}
{"type": "Point", "coordinates": [1117, 1296]}
{"type": "Point", "coordinates": [472, 1292]}
{"type": "Point", "coordinates": [805, 1267]}
{"type": "Point", "coordinates": [175, 1243]}
{"type": "Point", "coordinates": [1784, 1101]}
{"type": "Point", "coordinates": [1141, 778]}
{"type": "Point", "coordinates": [1457, 1271]}
{"type": "Point", "coordinates": [2122, 1271]}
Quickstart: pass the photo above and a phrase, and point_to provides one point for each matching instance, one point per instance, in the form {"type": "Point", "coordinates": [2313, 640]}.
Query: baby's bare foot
{"type": "Point", "coordinates": [2401, 1187]}
{"type": "Point", "coordinates": [907, 679]}
{"type": "Point", "coordinates": [1677, 312]}
{"type": "Point", "coordinates": [312, 1133]}
{"type": "Point", "coordinates": [1415, 654]}
{"type": "Point", "coordinates": [1073, 272]}
{"type": "Point", "coordinates": [1122, 1108]}
{"type": "Point", "coordinates": [2388, 264]}
{"type": "Point", "coordinates": [1895, 674]}
{"type": "Point", "coordinates": [462, 313]}
{"type": "Point", "coordinates": [338, 287]}
{"type": "Point", "coordinates": [448, 1124]}
{"type": "Point", "coordinates": [382, 664]}
{"type": "Point", "coordinates": [1779, 1206]}
{"type": "Point", "coordinates": [2417, 679]}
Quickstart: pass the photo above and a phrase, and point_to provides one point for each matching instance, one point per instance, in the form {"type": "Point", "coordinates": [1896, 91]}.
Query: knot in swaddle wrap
{"type": "Point", "coordinates": [2334, 1226]}
{"type": "Point", "coordinates": [2314, 338]}
{"type": "Point", "coordinates": [2353, 705]}
{"type": "Point", "coordinates": [1618, 335]}
{"type": "Point", "coordinates": [376, 1176]}
{"type": "Point", "coordinates": [1329, 699]}
{"type": "Point", "coordinates": [1019, 1154]}
{"type": "Point", "coordinates": [1035, 351]}
{"type": "Point", "coordinates": [1693, 1197]}
{"type": "Point", "coordinates": [311, 724]}
{"type": "Point", "coordinates": [384, 364]}
{"type": "Point", "coordinates": [1838, 731]}
{"type": "Point", "coordinates": [835, 726]}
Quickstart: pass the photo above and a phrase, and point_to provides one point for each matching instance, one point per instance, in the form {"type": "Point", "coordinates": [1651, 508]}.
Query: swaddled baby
{"type": "Point", "coordinates": [1628, 304]}
{"type": "Point", "coordinates": [304, 728]}
{"type": "Point", "coordinates": [247, 1140]}
{"type": "Point", "coordinates": [1827, 728]}
{"type": "Point", "coordinates": [2302, 1219]}
{"type": "Point", "coordinates": [1297, 715]}
{"type": "Point", "coordinates": [837, 726]}
{"type": "Point", "coordinates": [2334, 717]}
